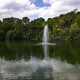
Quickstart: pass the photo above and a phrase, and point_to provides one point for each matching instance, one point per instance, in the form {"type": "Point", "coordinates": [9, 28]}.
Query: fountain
{"type": "Point", "coordinates": [45, 42]}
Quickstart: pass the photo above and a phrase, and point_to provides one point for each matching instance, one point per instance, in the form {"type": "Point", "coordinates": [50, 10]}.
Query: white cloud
{"type": "Point", "coordinates": [27, 3]}
{"type": "Point", "coordinates": [23, 2]}
{"type": "Point", "coordinates": [3, 3]}
{"type": "Point", "coordinates": [16, 8]}
{"type": "Point", "coordinates": [59, 7]}
{"type": "Point", "coordinates": [20, 8]}
{"type": "Point", "coordinates": [49, 1]}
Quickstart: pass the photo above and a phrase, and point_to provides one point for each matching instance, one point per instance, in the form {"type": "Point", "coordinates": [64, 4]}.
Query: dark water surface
{"type": "Point", "coordinates": [19, 50]}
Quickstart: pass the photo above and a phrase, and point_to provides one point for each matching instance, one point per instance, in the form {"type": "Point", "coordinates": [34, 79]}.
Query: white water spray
{"type": "Point", "coordinates": [45, 41]}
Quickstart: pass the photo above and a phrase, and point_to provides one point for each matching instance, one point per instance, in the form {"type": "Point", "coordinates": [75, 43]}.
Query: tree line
{"type": "Point", "coordinates": [63, 27]}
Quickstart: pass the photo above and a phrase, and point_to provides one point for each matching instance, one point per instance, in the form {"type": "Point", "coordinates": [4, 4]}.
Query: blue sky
{"type": "Point", "coordinates": [40, 3]}
{"type": "Point", "coordinates": [36, 8]}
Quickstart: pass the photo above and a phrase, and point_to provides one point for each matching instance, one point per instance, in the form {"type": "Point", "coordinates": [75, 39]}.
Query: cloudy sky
{"type": "Point", "coordinates": [36, 8]}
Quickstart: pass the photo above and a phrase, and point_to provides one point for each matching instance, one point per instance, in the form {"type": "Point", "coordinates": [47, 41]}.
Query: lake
{"type": "Point", "coordinates": [25, 61]}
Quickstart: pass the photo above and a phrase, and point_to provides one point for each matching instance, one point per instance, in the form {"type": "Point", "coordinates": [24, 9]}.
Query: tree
{"type": "Point", "coordinates": [25, 20]}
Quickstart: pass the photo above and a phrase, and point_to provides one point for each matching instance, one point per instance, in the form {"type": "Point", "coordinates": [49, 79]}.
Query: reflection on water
{"type": "Point", "coordinates": [36, 69]}
{"type": "Point", "coordinates": [14, 64]}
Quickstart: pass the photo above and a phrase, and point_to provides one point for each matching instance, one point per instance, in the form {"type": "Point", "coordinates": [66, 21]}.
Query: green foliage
{"type": "Point", "coordinates": [74, 28]}
{"type": "Point", "coordinates": [63, 27]}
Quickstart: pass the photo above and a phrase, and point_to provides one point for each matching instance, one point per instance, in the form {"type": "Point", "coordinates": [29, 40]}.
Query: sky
{"type": "Point", "coordinates": [36, 8]}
